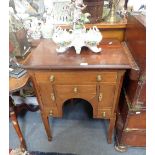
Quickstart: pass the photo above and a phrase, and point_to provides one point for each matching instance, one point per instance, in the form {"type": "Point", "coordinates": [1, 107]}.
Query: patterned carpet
{"type": "Point", "coordinates": [19, 152]}
{"type": "Point", "coordinates": [53, 153]}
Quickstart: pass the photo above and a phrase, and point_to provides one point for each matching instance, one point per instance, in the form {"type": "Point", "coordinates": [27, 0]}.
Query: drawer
{"type": "Point", "coordinates": [53, 112]}
{"type": "Point", "coordinates": [136, 120]}
{"type": "Point", "coordinates": [75, 91]}
{"type": "Point", "coordinates": [104, 113]}
{"type": "Point", "coordinates": [45, 92]}
{"type": "Point", "coordinates": [135, 138]}
{"type": "Point", "coordinates": [107, 92]}
{"type": "Point", "coordinates": [78, 77]}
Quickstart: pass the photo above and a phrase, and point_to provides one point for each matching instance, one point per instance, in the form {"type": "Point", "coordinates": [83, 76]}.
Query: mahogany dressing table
{"type": "Point", "coordinates": [96, 78]}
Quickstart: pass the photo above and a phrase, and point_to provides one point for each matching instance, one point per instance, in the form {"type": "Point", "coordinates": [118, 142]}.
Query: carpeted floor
{"type": "Point", "coordinates": [18, 151]}
{"type": "Point", "coordinates": [47, 153]}
{"type": "Point", "coordinates": [75, 133]}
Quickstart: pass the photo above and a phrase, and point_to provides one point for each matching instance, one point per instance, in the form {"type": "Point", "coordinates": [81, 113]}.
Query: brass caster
{"type": "Point", "coordinates": [49, 138]}
{"type": "Point", "coordinates": [120, 148]}
{"type": "Point", "coordinates": [23, 149]}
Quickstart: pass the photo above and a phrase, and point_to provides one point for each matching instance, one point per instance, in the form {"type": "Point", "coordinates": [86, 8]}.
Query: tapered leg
{"type": "Point", "coordinates": [111, 129]}
{"type": "Point", "coordinates": [15, 123]}
{"type": "Point", "coordinates": [45, 119]}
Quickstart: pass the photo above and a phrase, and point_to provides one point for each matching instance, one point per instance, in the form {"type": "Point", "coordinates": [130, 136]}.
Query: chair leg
{"type": "Point", "coordinates": [15, 123]}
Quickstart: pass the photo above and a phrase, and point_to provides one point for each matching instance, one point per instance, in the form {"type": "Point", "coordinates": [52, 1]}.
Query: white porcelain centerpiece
{"type": "Point", "coordinates": [78, 36]}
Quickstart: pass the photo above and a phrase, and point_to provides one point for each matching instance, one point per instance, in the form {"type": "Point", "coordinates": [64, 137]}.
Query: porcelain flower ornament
{"type": "Point", "coordinates": [78, 36]}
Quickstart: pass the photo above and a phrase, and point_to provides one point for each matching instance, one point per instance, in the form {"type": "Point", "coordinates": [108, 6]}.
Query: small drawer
{"type": "Point", "coordinates": [104, 113]}
{"type": "Point", "coordinates": [46, 94]}
{"type": "Point", "coordinates": [78, 77]}
{"type": "Point", "coordinates": [75, 91]}
{"type": "Point", "coordinates": [53, 112]}
{"type": "Point", "coordinates": [107, 93]}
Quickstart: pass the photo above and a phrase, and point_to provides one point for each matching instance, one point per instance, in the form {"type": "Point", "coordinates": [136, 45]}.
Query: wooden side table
{"type": "Point", "coordinates": [16, 84]}
{"type": "Point", "coordinates": [95, 77]}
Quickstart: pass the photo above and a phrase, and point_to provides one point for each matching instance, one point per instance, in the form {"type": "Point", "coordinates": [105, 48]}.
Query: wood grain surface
{"type": "Point", "coordinates": [44, 56]}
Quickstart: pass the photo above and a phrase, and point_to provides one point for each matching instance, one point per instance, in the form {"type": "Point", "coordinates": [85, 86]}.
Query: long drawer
{"type": "Point", "coordinates": [134, 138]}
{"type": "Point", "coordinates": [78, 77]}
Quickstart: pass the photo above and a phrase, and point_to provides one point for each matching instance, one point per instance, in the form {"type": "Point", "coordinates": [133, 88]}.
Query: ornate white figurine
{"type": "Point", "coordinates": [78, 36]}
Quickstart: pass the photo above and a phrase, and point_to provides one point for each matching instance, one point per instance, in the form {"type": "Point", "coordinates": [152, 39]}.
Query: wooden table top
{"type": "Point", "coordinates": [17, 83]}
{"type": "Point", "coordinates": [112, 56]}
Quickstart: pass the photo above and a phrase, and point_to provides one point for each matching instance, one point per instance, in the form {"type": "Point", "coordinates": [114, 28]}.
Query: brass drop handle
{"type": "Point", "coordinates": [75, 90]}
{"type": "Point", "coordinates": [99, 78]}
{"type": "Point", "coordinates": [51, 113]}
{"type": "Point", "coordinates": [103, 114]}
{"type": "Point", "coordinates": [52, 96]}
{"type": "Point", "coordinates": [100, 97]}
{"type": "Point", "coordinates": [52, 78]}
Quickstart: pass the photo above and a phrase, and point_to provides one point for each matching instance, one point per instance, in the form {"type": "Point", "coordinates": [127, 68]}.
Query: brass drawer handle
{"type": "Point", "coordinates": [53, 97]}
{"type": "Point", "coordinates": [133, 129]}
{"type": "Point", "coordinates": [51, 113]}
{"type": "Point", "coordinates": [75, 90]}
{"type": "Point", "coordinates": [99, 78]}
{"type": "Point", "coordinates": [100, 97]}
{"type": "Point", "coordinates": [103, 114]}
{"type": "Point", "coordinates": [52, 78]}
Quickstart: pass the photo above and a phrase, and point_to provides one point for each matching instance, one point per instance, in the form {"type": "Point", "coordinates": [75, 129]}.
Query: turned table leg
{"type": "Point", "coordinates": [111, 129]}
{"type": "Point", "coordinates": [45, 119]}
{"type": "Point", "coordinates": [15, 123]}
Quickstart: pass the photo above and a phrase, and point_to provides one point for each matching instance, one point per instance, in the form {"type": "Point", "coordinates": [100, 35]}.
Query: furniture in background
{"type": "Point", "coordinates": [96, 78]}
{"type": "Point", "coordinates": [108, 31]}
{"type": "Point", "coordinates": [16, 84]}
{"type": "Point", "coordinates": [95, 8]}
{"type": "Point", "coordinates": [114, 30]}
{"type": "Point", "coordinates": [131, 116]}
